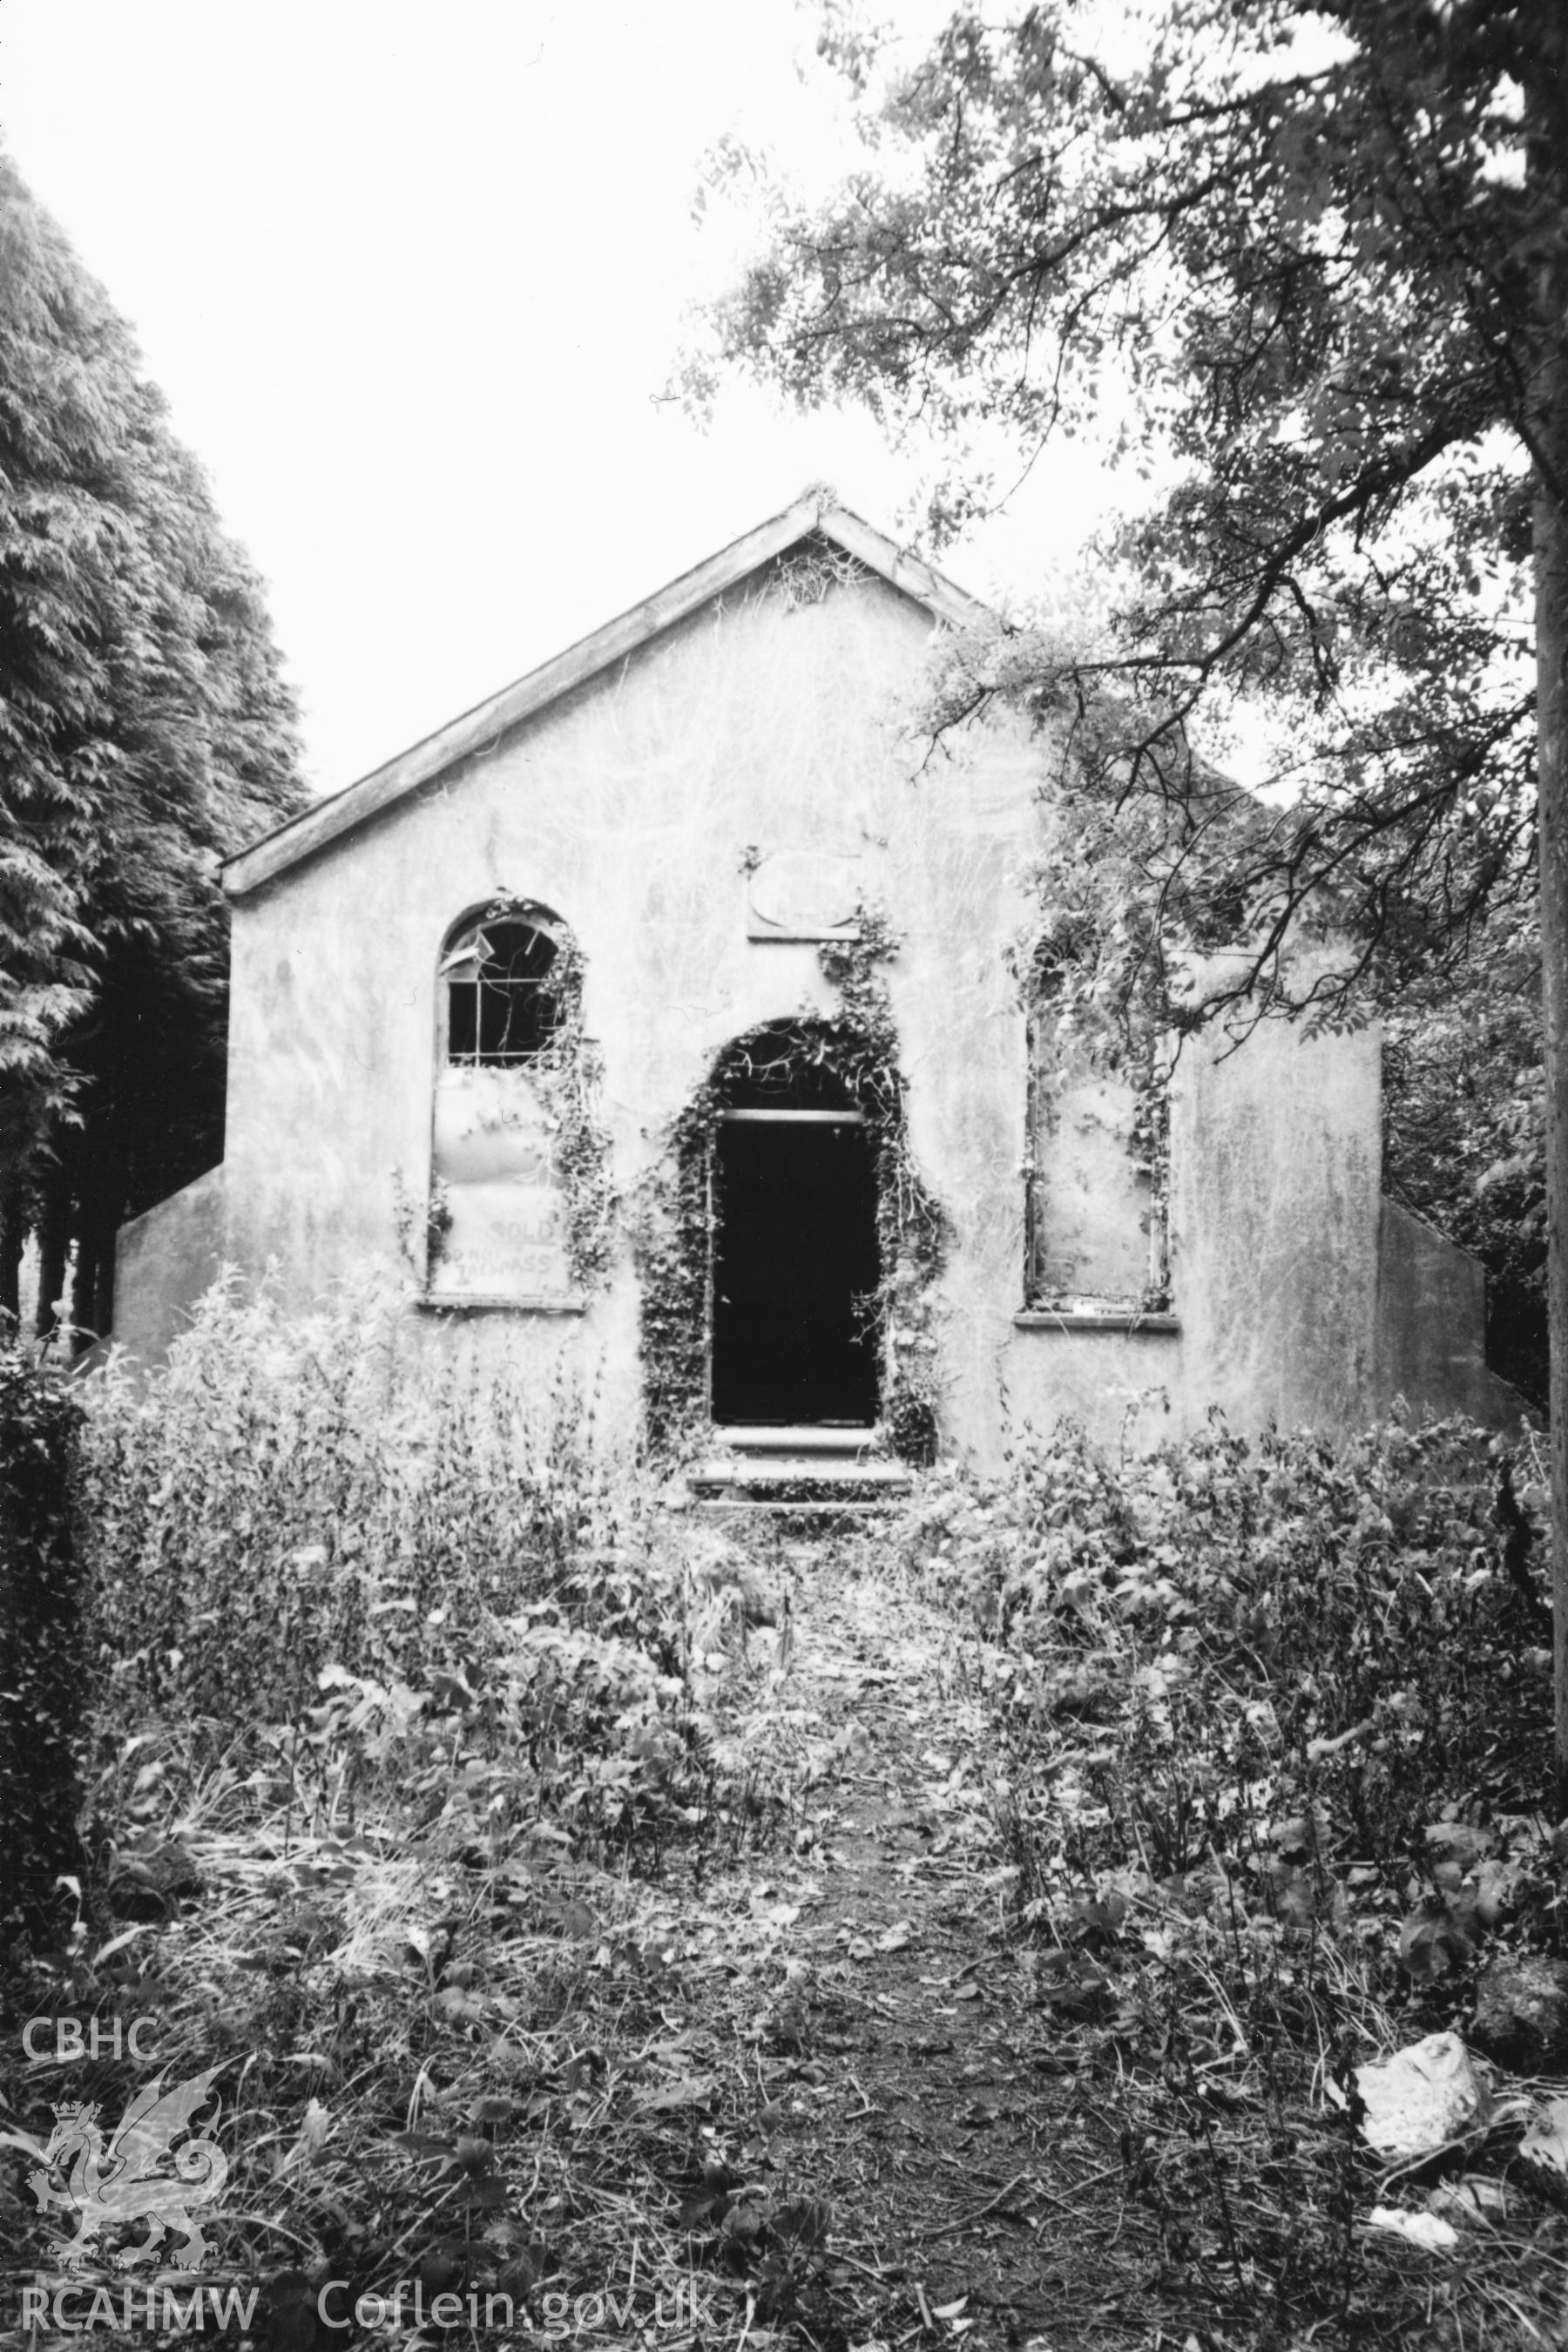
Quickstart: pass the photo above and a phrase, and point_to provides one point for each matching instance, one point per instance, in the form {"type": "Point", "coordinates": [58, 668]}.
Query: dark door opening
{"type": "Point", "coordinates": [795, 1260]}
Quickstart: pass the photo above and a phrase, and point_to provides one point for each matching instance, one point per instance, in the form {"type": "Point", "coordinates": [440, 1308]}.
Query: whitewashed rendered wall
{"type": "Point", "coordinates": [634, 808]}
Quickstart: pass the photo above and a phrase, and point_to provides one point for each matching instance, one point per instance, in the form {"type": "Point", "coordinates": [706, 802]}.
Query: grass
{"type": "Point", "coordinates": [993, 1956]}
{"type": "Point", "coordinates": [1272, 1730]}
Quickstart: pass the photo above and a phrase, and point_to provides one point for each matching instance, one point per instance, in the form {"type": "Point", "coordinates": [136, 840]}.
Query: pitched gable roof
{"type": "Point", "coordinates": [815, 512]}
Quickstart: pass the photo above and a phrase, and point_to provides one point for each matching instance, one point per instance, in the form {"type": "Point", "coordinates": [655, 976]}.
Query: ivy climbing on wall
{"type": "Point", "coordinates": [545, 1072]}
{"type": "Point", "coordinates": [1105, 1062]}
{"type": "Point", "coordinates": [673, 1223]}
{"type": "Point", "coordinates": [911, 1225]}
{"type": "Point", "coordinates": [672, 1230]}
{"type": "Point", "coordinates": [570, 1074]}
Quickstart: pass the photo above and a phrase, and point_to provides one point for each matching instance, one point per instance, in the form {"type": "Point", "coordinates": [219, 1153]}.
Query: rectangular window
{"type": "Point", "coordinates": [1094, 1209]}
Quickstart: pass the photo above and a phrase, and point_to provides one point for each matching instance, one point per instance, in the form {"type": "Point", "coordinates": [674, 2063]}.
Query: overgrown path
{"type": "Point", "coordinates": [538, 2013]}
{"type": "Point", "coordinates": [792, 2091]}
{"type": "Point", "coordinates": [970, 2178]}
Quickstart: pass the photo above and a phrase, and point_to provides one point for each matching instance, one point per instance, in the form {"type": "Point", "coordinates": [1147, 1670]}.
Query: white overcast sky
{"type": "Point", "coordinates": [413, 278]}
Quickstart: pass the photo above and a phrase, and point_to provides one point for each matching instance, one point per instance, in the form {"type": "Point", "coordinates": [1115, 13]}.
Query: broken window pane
{"type": "Point", "coordinates": [509, 991]}
{"type": "Point", "coordinates": [502, 1005]}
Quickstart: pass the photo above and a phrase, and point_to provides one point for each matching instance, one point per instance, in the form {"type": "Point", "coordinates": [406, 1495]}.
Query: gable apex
{"type": "Point", "coordinates": [816, 513]}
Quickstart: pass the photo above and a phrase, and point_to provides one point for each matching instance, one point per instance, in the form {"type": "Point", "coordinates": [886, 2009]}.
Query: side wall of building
{"type": "Point", "coordinates": [164, 1261]}
{"type": "Point", "coordinates": [1431, 1304]}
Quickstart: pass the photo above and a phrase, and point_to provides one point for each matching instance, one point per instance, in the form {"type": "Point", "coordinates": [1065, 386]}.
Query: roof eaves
{"type": "Point", "coordinates": [343, 811]}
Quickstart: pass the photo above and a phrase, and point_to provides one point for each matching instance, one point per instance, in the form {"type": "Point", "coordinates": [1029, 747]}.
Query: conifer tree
{"type": "Point", "coordinates": [146, 731]}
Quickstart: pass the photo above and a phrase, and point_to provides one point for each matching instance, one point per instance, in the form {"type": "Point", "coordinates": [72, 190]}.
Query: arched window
{"type": "Point", "coordinates": [504, 1000]}
{"type": "Point", "coordinates": [509, 1099]}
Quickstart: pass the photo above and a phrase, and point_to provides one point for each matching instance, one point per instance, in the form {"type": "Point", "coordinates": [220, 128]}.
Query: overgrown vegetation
{"type": "Point", "coordinates": [310, 1571]}
{"type": "Point", "coordinates": [1272, 1726]}
{"type": "Point", "coordinates": [569, 1075]}
{"type": "Point", "coordinates": [1097, 1008]}
{"type": "Point", "coordinates": [40, 1650]}
{"type": "Point", "coordinates": [672, 1236]}
{"type": "Point", "coordinates": [851, 1057]}
{"type": "Point", "coordinates": [404, 1723]}
{"type": "Point", "coordinates": [1463, 1108]}
{"type": "Point", "coordinates": [1302, 268]}
{"type": "Point", "coordinates": [1321, 254]}
{"type": "Point", "coordinates": [1132, 1809]}
{"type": "Point", "coordinates": [912, 1227]}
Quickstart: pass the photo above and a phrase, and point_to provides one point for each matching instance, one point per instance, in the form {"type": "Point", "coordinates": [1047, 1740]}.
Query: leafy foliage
{"type": "Point", "coordinates": [403, 1720]}
{"type": "Point", "coordinates": [1290, 1630]}
{"type": "Point", "coordinates": [41, 1731]}
{"type": "Point", "coordinates": [853, 1054]}
{"type": "Point", "coordinates": [1314, 258]}
{"type": "Point", "coordinates": [1268, 1722]}
{"type": "Point", "coordinates": [867, 2081]}
{"type": "Point", "coordinates": [303, 1565]}
{"type": "Point", "coordinates": [146, 731]}
{"type": "Point", "coordinates": [1464, 1105]}
{"type": "Point", "coordinates": [1319, 258]}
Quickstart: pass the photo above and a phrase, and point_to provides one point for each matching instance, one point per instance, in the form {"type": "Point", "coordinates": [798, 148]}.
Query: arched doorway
{"type": "Point", "coordinates": [796, 1335]}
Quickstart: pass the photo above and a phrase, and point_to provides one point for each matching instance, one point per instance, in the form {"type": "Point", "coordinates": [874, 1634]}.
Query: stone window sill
{"type": "Point", "coordinates": [1086, 1318]}
{"type": "Point", "coordinates": [452, 1302]}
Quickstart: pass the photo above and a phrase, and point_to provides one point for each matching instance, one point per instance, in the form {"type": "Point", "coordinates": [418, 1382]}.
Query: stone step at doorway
{"type": "Point", "coordinates": [814, 1467]}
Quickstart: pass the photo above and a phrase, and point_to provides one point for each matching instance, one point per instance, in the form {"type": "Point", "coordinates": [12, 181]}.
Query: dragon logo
{"type": "Point", "coordinates": [124, 2179]}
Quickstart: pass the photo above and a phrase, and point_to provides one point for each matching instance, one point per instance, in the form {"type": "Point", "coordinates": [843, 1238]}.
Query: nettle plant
{"type": "Point", "coordinates": [41, 1713]}
{"type": "Point", "coordinates": [1231, 1643]}
{"type": "Point", "coordinates": [307, 1568]}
